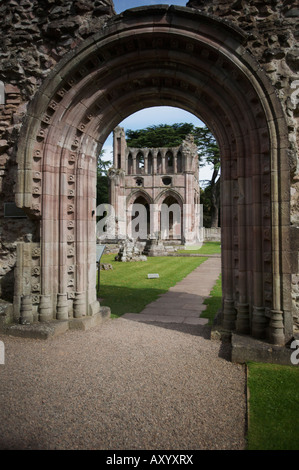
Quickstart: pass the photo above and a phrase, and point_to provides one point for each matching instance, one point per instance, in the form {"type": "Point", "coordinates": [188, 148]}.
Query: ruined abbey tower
{"type": "Point", "coordinates": [153, 177]}
{"type": "Point", "coordinates": [71, 71]}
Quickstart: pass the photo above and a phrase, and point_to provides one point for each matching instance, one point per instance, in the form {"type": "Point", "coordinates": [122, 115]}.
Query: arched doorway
{"type": "Point", "coordinates": [139, 218]}
{"type": "Point", "coordinates": [171, 215]}
{"type": "Point", "coordinates": [146, 57]}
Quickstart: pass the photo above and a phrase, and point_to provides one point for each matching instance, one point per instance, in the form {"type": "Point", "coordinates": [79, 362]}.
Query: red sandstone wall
{"type": "Point", "coordinates": [34, 36]}
{"type": "Point", "coordinates": [273, 38]}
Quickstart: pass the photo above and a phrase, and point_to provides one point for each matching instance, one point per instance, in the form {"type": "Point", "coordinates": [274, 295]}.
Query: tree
{"type": "Point", "coordinates": [165, 135]}
{"type": "Point", "coordinates": [102, 180]}
{"type": "Point", "coordinates": [208, 153]}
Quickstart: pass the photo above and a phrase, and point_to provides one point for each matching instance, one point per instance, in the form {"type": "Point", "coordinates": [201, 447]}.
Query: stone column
{"type": "Point", "coordinates": [175, 164]}
{"type": "Point", "coordinates": [134, 163]}
{"type": "Point", "coordinates": [229, 311]}
{"type": "Point", "coordinates": [50, 236]}
{"type": "Point", "coordinates": [243, 322]}
{"type": "Point", "coordinates": [259, 321]}
{"type": "Point", "coordinates": [45, 308]}
{"type": "Point", "coordinates": [155, 220]}
{"type": "Point", "coordinates": [163, 162]}
{"type": "Point", "coordinates": [62, 307]}
{"type": "Point", "coordinates": [80, 305]}
{"type": "Point", "coordinates": [276, 327]}
{"type": "Point", "coordinates": [66, 241]}
{"type": "Point", "coordinates": [26, 314]}
{"type": "Point", "coordinates": [82, 217]}
{"type": "Point", "coordinates": [188, 208]}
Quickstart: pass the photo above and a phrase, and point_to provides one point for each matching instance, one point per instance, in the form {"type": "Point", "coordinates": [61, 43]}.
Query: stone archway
{"type": "Point", "coordinates": [145, 57]}
{"type": "Point", "coordinates": [134, 200]}
{"type": "Point", "coordinates": [170, 207]}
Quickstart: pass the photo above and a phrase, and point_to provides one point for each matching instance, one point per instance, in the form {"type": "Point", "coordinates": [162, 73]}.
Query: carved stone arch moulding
{"type": "Point", "coordinates": [136, 193]}
{"type": "Point", "coordinates": [161, 56]}
{"type": "Point", "coordinates": [169, 192]}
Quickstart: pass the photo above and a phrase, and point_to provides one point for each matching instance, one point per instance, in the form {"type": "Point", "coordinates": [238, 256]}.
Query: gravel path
{"type": "Point", "coordinates": [123, 385]}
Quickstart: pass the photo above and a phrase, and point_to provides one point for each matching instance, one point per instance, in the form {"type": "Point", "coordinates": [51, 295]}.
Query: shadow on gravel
{"type": "Point", "coordinates": [22, 445]}
{"type": "Point", "coordinates": [196, 330]}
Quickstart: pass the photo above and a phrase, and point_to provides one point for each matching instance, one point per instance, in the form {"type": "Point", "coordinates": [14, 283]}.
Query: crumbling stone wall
{"type": "Point", "coordinates": [273, 39]}
{"type": "Point", "coordinates": [34, 36]}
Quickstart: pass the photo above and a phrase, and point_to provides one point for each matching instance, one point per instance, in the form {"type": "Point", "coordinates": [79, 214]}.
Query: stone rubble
{"type": "Point", "coordinates": [129, 251]}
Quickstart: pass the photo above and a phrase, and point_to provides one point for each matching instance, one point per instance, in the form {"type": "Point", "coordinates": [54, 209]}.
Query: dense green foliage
{"type": "Point", "coordinates": [102, 180]}
{"type": "Point", "coordinates": [163, 135]}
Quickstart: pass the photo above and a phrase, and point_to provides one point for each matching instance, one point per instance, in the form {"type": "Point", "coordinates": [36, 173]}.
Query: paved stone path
{"type": "Point", "coordinates": [183, 303]}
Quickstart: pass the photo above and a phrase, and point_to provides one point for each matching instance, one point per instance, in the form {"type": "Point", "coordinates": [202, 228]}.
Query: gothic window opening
{"type": "Point", "coordinates": [159, 164]}
{"type": "Point", "coordinates": [150, 164]}
{"type": "Point", "coordinates": [179, 163]}
{"type": "Point", "coordinates": [169, 162]}
{"type": "Point", "coordinates": [140, 163]}
{"type": "Point", "coordinates": [130, 164]}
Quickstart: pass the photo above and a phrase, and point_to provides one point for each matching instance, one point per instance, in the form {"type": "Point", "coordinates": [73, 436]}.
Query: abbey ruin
{"type": "Point", "coordinates": [160, 183]}
{"type": "Point", "coordinates": [71, 71]}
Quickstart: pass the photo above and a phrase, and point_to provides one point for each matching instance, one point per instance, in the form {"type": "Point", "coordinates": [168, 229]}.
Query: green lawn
{"type": "Point", "coordinates": [126, 288]}
{"type": "Point", "coordinates": [214, 302]}
{"type": "Point", "coordinates": [208, 248]}
{"type": "Point", "coordinates": [273, 407]}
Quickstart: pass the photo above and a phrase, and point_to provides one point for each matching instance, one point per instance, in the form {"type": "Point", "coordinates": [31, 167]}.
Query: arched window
{"type": "Point", "coordinates": [171, 219]}
{"type": "Point", "coordinates": [140, 162]}
{"type": "Point", "coordinates": [159, 164]}
{"type": "Point", "coordinates": [139, 225]}
{"type": "Point", "coordinates": [179, 163]}
{"type": "Point", "coordinates": [150, 163]}
{"type": "Point", "coordinates": [130, 164]}
{"type": "Point", "coordinates": [169, 162]}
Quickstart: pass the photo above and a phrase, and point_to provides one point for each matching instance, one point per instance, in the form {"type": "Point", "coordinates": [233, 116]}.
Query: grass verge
{"type": "Point", "coordinates": [208, 248]}
{"type": "Point", "coordinates": [273, 407]}
{"type": "Point", "coordinates": [126, 288]}
{"type": "Point", "coordinates": [213, 302]}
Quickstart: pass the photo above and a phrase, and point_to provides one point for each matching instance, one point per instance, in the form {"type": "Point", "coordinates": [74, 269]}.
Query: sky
{"type": "Point", "coordinates": [156, 115]}
{"type": "Point", "coordinates": [153, 117]}
{"type": "Point", "coordinates": [121, 5]}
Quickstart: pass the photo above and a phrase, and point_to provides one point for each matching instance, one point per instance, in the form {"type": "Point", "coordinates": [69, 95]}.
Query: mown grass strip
{"type": "Point", "coordinates": [208, 248]}
{"type": "Point", "coordinates": [126, 288]}
{"type": "Point", "coordinates": [214, 302]}
{"type": "Point", "coordinates": [273, 407]}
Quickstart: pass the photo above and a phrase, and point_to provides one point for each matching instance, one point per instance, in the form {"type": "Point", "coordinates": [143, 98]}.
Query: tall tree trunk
{"type": "Point", "coordinates": [215, 199]}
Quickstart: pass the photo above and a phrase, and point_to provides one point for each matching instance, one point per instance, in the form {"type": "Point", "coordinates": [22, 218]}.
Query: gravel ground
{"type": "Point", "coordinates": [124, 385]}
